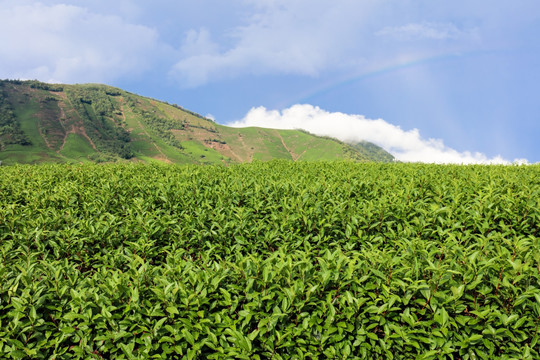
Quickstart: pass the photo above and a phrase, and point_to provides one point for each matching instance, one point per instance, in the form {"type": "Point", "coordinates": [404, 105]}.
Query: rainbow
{"type": "Point", "coordinates": [332, 85]}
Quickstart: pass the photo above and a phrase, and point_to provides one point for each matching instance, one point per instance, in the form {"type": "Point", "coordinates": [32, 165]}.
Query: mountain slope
{"type": "Point", "coordinates": [94, 123]}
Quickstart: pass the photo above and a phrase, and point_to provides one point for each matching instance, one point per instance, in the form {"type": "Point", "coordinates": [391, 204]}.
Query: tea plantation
{"type": "Point", "coordinates": [269, 260]}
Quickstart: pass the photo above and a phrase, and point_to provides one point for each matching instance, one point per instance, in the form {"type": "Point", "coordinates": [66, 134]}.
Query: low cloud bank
{"type": "Point", "coordinates": [404, 145]}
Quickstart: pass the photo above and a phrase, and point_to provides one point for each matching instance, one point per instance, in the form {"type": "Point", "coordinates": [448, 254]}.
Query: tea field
{"type": "Point", "coordinates": [275, 260]}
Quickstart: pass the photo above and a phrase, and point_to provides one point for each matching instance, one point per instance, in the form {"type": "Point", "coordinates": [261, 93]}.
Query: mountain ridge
{"type": "Point", "coordinates": [42, 122]}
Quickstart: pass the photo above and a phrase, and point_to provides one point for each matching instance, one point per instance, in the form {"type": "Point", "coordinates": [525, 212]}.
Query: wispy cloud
{"type": "Point", "coordinates": [425, 30]}
{"type": "Point", "coordinates": [278, 37]}
{"type": "Point", "coordinates": [309, 37]}
{"type": "Point", "coordinates": [71, 44]}
{"type": "Point", "coordinates": [405, 145]}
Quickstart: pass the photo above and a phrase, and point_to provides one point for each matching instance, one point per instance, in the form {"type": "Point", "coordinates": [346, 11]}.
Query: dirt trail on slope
{"type": "Point", "coordinates": [164, 157]}
{"type": "Point", "coordinates": [43, 135]}
{"type": "Point", "coordinates": [66, 131]}
{"type": "Point", "coordinates": [235, 154]}
{"type": "Point", "coordinates": [293, 155]}
{"type": "Point", "coordinates": [250, 153]}
{"type": "Point", "coordinates": [122, 110]}
{"type": "Point", "coordinates": [74, 129]}
{"type": "Point", "coordinates": [223, 149]}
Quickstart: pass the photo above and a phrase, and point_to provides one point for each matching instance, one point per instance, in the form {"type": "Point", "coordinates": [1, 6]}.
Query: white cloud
{"type": "Point", "coordinates": [198, 43]}
{"type": "Point", "coordinates": [66, 43]}
{"type": "Point", "coordinates": [426, 30]}
{"type": "Point", "coordinates": [405, 145]}
{"type": "Point", "coordinates": [286, 37]}
{"type": "Point", "coordinates": [311, 37]}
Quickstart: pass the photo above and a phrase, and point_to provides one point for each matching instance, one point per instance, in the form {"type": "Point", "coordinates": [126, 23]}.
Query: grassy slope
{"type": "Point", "coordinates": [58, 133]}
{"type": "Point", "coordinates": [26, 107]}
{"type": "Point", "coordinates": [77, 147]}
{"type": "Point", "coordinates": [308, 147]}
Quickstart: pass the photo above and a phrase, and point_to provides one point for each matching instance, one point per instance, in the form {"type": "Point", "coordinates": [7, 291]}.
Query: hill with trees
{"type": "Point", "coordinates": [42, 122]}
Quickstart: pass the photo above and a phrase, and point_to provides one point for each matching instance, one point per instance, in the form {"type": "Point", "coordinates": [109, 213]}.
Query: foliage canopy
{"type": "Point", "coordinates": [279, 259]}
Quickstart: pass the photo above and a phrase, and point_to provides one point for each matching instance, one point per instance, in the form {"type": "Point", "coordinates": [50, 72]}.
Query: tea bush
{"type": "Point", "coordinates": [269, 260]}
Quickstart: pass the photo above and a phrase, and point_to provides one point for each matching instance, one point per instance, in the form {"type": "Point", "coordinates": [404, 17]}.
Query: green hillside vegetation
{"type": "Point", "coordinates": [77, 147]}
{"type": "Point", "coordinates": [42, 122]}
{"type": "Point", "coordinates": [269, 260]}
{"type": "Point", "coordinates": [367, 149]}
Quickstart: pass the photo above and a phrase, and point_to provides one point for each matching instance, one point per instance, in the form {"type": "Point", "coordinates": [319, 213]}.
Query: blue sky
{"type": "Point", "coordinates": [429, 80]}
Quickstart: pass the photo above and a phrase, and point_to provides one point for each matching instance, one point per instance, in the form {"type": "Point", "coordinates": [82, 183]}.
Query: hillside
{"type": "Point", "coordinates": [97, 123]}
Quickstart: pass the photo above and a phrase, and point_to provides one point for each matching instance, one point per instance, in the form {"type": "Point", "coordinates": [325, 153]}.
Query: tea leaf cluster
{"type": "Point", "coordinates": [270, 260]}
